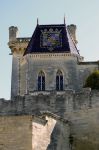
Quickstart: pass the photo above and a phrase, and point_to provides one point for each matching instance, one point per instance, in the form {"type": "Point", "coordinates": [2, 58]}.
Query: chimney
{"type": "Point", "coordinates": [72, 31]}
{"type": "Point", "coordinates": [12, 33]}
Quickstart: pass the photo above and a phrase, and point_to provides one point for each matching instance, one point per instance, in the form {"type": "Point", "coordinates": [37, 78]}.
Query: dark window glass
{"type": "Point", "coordinates": [59, 81]}
{"type": "Point", "coordinates": [41, 81]}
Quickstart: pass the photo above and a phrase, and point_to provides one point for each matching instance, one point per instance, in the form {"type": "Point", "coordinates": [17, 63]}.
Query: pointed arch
{"type": "Point", "coordinates": [59, 80]}
{"type": "Point", "coordinates": [41, 81]}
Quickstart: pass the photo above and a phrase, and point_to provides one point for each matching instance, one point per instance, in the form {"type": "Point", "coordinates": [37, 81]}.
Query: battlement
{"type": "Point", "coordinates": [54, 102]}
{"type": "Point", "coordinates": [18, 45]}
{"type": "Point", "coordinates": [26, 39]}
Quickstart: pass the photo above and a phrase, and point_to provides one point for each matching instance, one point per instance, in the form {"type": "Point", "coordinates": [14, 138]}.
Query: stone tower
{"type": "Point", "coordinates": [17, 46]}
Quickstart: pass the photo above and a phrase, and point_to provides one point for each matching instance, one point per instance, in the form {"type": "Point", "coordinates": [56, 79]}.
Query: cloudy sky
{"type": "Point", "coordinates": [24, 13]}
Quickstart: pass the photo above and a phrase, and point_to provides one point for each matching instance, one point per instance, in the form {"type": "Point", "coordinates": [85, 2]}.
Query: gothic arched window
{"type": "Point", "coordinates": [41, 81]}
{"type": "Point", "coordinates": [59, 81]}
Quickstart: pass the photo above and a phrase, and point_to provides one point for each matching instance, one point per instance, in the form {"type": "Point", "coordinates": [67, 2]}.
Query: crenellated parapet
{"type": "Point", "coordinates": [19, 45]}
{"type": "Point", "coordinates": [57, 103]}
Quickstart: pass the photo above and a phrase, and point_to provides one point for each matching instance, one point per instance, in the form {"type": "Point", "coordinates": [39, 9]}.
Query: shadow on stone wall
{"type": "Point", "coordinates": [59, 139]}
{"type": "Point", "coordinates": [85, 145]}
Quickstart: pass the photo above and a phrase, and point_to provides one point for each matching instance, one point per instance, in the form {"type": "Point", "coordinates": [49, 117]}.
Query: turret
{"type": "Point", "coordinates": [12, 33]}
{"type": "Point", "coordinates": [72, 30]}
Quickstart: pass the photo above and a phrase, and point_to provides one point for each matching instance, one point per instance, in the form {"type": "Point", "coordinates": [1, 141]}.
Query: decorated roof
{"type": "Point", "coordinates": [51, 38]}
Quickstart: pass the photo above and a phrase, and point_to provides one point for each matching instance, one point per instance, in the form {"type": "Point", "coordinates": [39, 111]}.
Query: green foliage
{"type": "Point", "coordinates": [93, 80]}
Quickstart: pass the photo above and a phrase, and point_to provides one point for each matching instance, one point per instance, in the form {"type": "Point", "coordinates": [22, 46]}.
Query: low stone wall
{"type": "Point", "coordinates": [57, 103]}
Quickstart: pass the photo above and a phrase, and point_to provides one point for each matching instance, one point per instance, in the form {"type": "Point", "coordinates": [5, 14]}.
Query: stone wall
{"type": "Point", "coordinates": [28, 132]}
{"type": "Point", "coordinates": [50, 64]}
{"type": "Point", "coordinates": [15, 133]}
{"type": "Point", "coordinates": [50, 133]}
{"type": "Point", "coordinates": [85, 129]}
{"type": "Point", "coordinates": [25, 72]}
{"type": "Point", "coordinates": [31, 65]}
{"type": "Point", "coordinates": [15, 76]}
{"type": "Point", "coordinates": [84, 70]}
{"type": "Point", "coordinates": [81, 131]}
{"type": "Point", "coordinates": [56, 102]}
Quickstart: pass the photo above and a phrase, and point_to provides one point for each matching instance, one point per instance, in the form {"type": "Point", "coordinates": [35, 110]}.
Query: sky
{"type": "Point", "coordinates": [24, 14]}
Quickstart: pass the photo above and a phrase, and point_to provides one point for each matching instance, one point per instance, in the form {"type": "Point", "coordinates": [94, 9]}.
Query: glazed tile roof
{"type": "Point", "coordinates": [51, 38]}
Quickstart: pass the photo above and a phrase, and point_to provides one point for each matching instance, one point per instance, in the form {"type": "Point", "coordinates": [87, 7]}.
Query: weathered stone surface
{"type": "Point", "coordinates": [25, 72]}
{"type": "Point", "coordinates": [50, 135]}
{"type": "Point", "coordinates": [51, 132]}
{"type": "Point", "coordinates": [55, 102]}
{"type": "Point", "coordinates": [85, 129]}
{"type": "Point", "coordinates": [33, 133]}
{"type": "Point", "coordinates": [15, 133]}
{"type": "Point", "coordinates": [49, 120]}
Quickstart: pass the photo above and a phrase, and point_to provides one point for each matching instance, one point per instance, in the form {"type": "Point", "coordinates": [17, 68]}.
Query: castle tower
{"type": "Point", "coordinates": [53, 57]}
{"type": "Point", "coordinates": [17, 46]}
{"type": "Point", "coordinates": [48, 61]}
{"type": "Point", "coordinates": [45, 62]}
